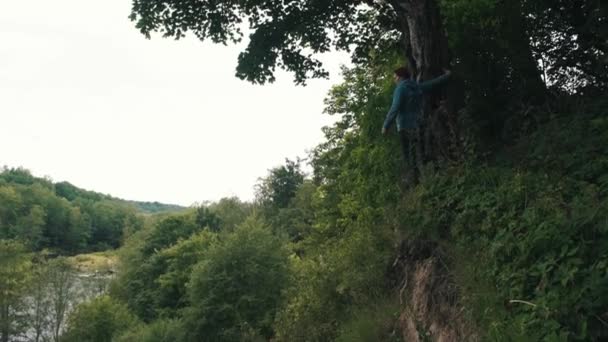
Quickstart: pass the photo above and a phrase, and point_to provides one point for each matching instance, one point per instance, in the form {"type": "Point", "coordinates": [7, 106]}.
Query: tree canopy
{"type": "Point", "coordinates": [284, 34]}
{"type": "Point", "coordinates": [570, 36]}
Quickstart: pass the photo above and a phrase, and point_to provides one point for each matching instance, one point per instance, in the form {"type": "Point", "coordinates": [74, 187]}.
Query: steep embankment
{"type": "Point", "coordinates": [512, 250]}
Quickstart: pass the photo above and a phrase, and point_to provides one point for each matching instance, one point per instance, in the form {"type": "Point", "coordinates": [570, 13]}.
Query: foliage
{"type": "Point", "coordinates": [284, 34]}
{"type": "Point", "coordinates": [180, 260]}
{"type": "Point", "coordinates": [156, 264]}
{"type": "Point", "coordinates": [109, 220]}
{"type": "Point", "coordinates": [158, 331]}
{"type": "Point", "coordinates": [495, 44]}
{"type": "Point", "coordinates": [100, 320]}
{"type": "Point", "coordinates": [207, 219]}
{"type": "Point", "coordinates": [495, 62]}
{"type": "Point", "coordinates": [279, 187]}
{"type": "Point", "coordinates": [294, 221]}
{"type": "Point", "coordinates": [231, 212]}
{"type": "Point", "coordinates": [372, 323]}
{"type": "Point", "coordinates": [15, 277]}
{"type": "Point", "coordinates": [236, 288]}
{"type": "Point", "coordinates": [569, 36]}
{"type": "Point", "coordinates": [331, 280]}
{"type": "Point", "coordinates": [540, 231]}
{"type": "Point", "coordinates": [157, 261]}
{"type": "Point", "coordinates": [73, 193]}
{"type": "Point", "coordinates": [168, 231]}
{"type": "Point", "coordinates": [345, 254]}
{"type": "Point", "coordinates": [60, 216]}
{"type": "Point", "coordinates": [275, 195]}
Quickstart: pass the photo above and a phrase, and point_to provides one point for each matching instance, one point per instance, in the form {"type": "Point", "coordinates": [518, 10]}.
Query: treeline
{"type": "Point", "coordinates": [61, 217]}
{"type": "Point", "coordinates": [71, 192]}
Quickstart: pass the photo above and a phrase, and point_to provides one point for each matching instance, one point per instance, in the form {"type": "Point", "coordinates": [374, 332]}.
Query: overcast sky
{"type": "Point", "coordinates": [85, 98]}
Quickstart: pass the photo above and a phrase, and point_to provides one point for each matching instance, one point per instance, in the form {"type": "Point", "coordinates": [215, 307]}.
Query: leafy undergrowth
{"type": "Point", "coordinates": [529, 240]}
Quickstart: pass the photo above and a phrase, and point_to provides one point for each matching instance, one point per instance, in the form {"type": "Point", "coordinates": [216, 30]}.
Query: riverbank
{"type": "Point", "coordinates": [98, 262]}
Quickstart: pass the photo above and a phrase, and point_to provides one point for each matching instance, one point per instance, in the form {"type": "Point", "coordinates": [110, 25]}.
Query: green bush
{"type": "Point", "coordinates": [100, 320]}
{"type": "Point", "coordinates": [236, 289]}
{"type": "Point", "coordinates": [158, 331]}
{"type": "Point", "coordinates": [371, 323]}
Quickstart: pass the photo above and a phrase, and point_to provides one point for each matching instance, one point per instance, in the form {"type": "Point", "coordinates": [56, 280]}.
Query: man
{"type": "Point", "coordinates": [406, 110]}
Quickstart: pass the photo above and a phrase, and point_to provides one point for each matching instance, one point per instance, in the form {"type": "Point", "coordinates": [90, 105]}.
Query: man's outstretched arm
{"type": "Point", "coordinates": [428, 85]}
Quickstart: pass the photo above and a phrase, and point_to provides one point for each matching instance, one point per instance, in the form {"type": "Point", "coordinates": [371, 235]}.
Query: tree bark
{"type": "Point", "coordinates": [427, 37]}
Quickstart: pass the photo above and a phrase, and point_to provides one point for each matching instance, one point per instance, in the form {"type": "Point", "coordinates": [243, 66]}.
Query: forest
{"type": "Point", "coordinates": [504, 237]}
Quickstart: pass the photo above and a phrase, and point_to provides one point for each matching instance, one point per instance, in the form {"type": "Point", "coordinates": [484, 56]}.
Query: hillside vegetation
{"type": "Point", "coordinates": [510, 246]}
{"type": "Point", "coordinates": [65, 218]}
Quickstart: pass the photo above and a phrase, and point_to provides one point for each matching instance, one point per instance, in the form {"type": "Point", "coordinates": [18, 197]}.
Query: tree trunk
{"type": "Point", "coordinates": [427, 37]}
{"type": "Point", "coordinates": [429, 50]}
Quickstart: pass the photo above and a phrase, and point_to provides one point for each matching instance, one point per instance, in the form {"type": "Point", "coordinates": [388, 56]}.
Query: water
{"type": "Point", "coordinates": [84, 286]}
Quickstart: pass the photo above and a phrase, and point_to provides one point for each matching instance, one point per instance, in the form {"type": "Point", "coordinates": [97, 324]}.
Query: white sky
{"type": "Point", "coordinates": [85, 98]}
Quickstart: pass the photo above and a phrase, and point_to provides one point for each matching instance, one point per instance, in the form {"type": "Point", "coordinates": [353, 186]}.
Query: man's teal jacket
{"type": "Point", "coordinates": [407, 102]}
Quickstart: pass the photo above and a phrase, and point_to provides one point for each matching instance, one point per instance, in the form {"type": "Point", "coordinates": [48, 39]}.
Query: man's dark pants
{"type": "Point", "coordinates": [410, 148]}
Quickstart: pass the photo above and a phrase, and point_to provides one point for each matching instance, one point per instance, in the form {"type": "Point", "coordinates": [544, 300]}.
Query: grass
{"type": "Point", "coordinates": [95, 262]}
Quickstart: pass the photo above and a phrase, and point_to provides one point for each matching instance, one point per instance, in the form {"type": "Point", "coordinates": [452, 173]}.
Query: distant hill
{"type": "Point", "coordinates": [156, 207]}
{"type": "Point", "coordinates": [72, 192]}
{"type": "Point", "coordinates": [63, 217]}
